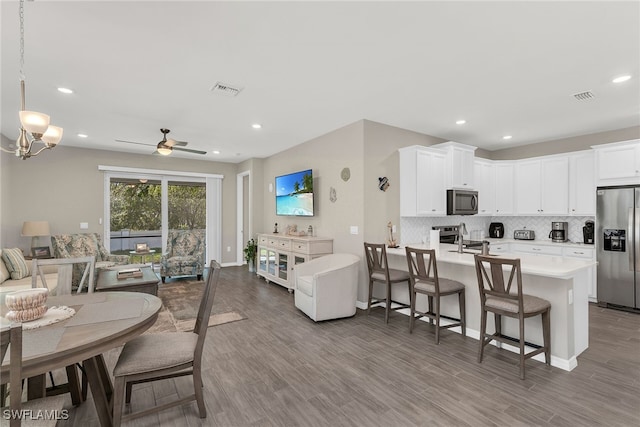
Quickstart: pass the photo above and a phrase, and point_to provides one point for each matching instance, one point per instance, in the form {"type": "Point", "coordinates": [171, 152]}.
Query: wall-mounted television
{"type": "Point", "coordinates": [294, 194]}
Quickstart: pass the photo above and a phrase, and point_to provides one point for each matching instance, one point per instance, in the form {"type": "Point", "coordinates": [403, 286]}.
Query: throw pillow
{"type": "Point", "coordinates": [16, 264]}
{"type": "Point", "coordinates": [4, 273]}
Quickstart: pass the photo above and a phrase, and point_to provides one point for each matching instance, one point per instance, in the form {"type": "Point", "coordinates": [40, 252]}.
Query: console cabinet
{"type": "Point", "coordinates": [279, 253]}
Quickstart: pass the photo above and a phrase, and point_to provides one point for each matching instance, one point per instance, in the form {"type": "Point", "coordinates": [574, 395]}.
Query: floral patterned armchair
{"type": "Point", "coordinates": [185, 254]}
{"type": "Point", "coordinates": [82, 245]}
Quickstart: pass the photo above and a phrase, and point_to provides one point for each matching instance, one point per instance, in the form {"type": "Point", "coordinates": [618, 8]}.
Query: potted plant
{"type": "Point", "coordinates": [250, 252]}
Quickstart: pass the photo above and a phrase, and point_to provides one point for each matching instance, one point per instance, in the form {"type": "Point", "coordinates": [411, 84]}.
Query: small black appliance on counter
{"type": "Point", "coordinates": [496, 230]}
{"type": "Point", "coordinates": [588, 232]}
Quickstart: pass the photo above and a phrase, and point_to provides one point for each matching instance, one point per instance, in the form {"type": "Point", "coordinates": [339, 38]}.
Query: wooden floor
{"type": "Point", "coordinates": [279, 368]}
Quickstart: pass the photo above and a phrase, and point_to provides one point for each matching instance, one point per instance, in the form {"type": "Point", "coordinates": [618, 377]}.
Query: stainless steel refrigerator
{"type": "Point", "coordinates": [618, 245]}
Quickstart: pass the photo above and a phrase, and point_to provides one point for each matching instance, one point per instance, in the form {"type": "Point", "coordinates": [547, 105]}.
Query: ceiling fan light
{"type": "Point", "coordinates": [165, 151]}
{"type": "Point", "coordinates": [34, 122]}
{"type": "Point", "coordinates": [52, 136]}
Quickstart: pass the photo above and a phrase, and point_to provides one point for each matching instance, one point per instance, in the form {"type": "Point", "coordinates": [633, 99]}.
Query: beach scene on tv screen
{"type": "Point", "coordinates": [294, 194]}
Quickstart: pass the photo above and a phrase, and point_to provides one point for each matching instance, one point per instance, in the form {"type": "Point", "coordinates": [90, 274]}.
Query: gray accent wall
{"type": "Point", "coordinates": [566, 145]}
{"type": "Point", "coordinates": [63, 186]}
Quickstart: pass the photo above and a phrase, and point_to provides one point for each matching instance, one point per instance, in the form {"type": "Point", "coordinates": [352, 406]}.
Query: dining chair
{"type": "Point", "coordinates": [504, 299]}
{"type": "Point", "coordinates": [153, 357]}
{"type": "Point", "coordinates": [424, 279]}
{"type": "Point", "coordinates": [379, 271]}
{"type": "Point", "coordinates": [65, 268]}
{"type": "Point", "coordinates": [11, 333]}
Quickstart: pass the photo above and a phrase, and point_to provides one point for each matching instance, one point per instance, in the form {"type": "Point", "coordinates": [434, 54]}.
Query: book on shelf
{"type": "Point", "coordinates": [128, 273]}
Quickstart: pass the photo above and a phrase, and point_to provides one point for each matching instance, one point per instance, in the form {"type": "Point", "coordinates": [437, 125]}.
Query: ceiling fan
{"type": "Point", "coordinates": [166, 146]}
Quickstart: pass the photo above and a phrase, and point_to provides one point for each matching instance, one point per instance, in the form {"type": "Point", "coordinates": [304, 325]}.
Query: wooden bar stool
{"type": "Point", "coordinates": [379, 271]}
{"type": "Point", "coordinates": [498, 297]}
{"type": "Point", "coordinates": [423, 274]}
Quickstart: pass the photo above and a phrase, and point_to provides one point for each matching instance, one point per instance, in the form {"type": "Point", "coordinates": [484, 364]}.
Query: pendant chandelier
{"type": "Point", "coordinates": [34, 126]}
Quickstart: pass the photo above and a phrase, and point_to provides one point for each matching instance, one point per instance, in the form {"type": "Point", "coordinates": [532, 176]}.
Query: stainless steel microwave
{"type": "Point", "coordinates": [462, 202]}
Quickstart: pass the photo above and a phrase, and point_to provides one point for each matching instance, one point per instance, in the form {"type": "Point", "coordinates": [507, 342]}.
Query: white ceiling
{"type": "Point", "coordinates": [309, 68]}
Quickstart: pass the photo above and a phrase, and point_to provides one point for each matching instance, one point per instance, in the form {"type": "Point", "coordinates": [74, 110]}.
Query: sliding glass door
{"type": "Point", "coordinates": [142, 206]}
{"type": "Point", "coordinates": [135, 217]}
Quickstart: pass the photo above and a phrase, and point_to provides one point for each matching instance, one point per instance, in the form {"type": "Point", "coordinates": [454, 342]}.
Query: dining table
{"type": "Point", "coordinates": [101, 322]}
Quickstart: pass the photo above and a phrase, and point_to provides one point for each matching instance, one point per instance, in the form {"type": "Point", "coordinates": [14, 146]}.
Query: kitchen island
{"type": "Point", "coordinates": [561, 281]}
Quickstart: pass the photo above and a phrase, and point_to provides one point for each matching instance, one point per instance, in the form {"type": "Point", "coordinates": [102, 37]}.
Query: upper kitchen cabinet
{"type": "Point", "coordinates": [422, 181]}
{"type": "Point", "coordinates": [504, 188]}
{"type": "Point", "coordinates": [618, 163]}
{"type": "Point", "coordinates": [485, 182]}
{"type": "Point", "coordinates": [582, 183]}
{"type": "Point", "coordinates": [459, 164]}
{"type": "Point", "coordinates": [542, 186]}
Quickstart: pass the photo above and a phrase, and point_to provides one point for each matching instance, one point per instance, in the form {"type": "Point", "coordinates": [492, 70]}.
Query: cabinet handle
{"type": "Point", "coordinates": [433, 210]}
{"type": "Point", "coordinates": [579, 253]}
{"type": "Point", "coordinates": [536, 249]}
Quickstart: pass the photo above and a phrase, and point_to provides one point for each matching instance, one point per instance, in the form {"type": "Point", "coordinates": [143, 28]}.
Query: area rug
{"type": "Point", "coordinates": [180, 303]}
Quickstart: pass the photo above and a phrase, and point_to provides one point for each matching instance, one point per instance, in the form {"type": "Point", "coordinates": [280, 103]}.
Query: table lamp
{"type": "Point", "coordinates": [35, 229]}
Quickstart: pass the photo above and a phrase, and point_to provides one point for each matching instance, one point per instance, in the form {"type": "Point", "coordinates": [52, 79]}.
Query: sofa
{"type": "Point", "coordinates": [327, 287]}
{"type": "Point", "coordinates": [23, 277]}
{"type": "Point", "coordinates": [82, 245]}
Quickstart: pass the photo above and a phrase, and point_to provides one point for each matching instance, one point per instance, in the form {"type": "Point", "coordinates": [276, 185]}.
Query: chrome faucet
{"type": "Point", "coordinates": [462, 229]}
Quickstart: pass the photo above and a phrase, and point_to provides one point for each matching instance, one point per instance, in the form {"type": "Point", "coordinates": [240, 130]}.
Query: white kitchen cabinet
{"type": "Point", "coordinates": [528, 248]}
{"type": "Point", "coordinates": [542, 186]}
{"type": "Point", "coordinates": [504, 188]}
{"type": "Point", "coordinates": [618, 163]}
{"type": "Point", "coordinates": [422, 182]}
{"type": "Point", "coordinates": [279, 254]}
{"type": "Point", "coordinates": [485, 182]}
{"type": "Point", "coordinates": [582, 184]}
{"type": "Point", "coordinates": [459, 164]}
{"type": "Point", "coordinates": [585, 253]}
{"type": "Point", "coordinates": [499, 248]}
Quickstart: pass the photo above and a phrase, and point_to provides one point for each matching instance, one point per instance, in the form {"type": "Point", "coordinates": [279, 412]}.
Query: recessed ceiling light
{"type": "Point", "coordinates": [461, 122]}
{"type": "Point", "coordinates": [83, 135]}
{"type": "Point", "coordinates": [64, 90]}
{"type": "Point", "coordinates": [216, 152]}
{"type": "Point", "coordinates": [256, 126]}
{"type": "Point", "coordinates": [621, 79]}
{"type": "Point", "coordinates": [507, 137]}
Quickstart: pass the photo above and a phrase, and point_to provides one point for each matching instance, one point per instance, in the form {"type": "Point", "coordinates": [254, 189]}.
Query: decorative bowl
{"type": "Point", "coordinates": [27, 314]}
{"type": "Point", "coordinates": [27, 298]}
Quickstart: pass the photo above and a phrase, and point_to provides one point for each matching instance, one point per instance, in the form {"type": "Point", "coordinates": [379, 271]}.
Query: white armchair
{"type": "Point", "coordinates": [327, 287]}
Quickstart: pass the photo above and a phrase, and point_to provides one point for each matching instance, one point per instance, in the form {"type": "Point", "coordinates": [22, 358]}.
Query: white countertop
{"type": "Point", "coordinates": [546, 242]}
{"type": "Point", "coordinates": [539, 265]}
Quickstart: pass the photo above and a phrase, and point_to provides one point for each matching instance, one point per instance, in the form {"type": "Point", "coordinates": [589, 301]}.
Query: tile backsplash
{"type": "Point", "coordinates": [413, 230]}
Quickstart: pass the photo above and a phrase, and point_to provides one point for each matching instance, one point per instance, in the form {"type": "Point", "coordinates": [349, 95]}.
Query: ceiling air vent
{"type": "Point", "coordinates": [225, 89]}
{"type": "Point", "coordinates": [583, 96]}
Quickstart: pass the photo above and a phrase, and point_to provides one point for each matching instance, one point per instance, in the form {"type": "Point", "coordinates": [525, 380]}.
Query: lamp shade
{"type": "Point", "coordinates": [36, 228]}
{"type": "Point", "coordinates": [53, 135]}
{"type": "Point", "coordinates": [165, 151]}
{"type": "Point", "coordinates": [34, 122]}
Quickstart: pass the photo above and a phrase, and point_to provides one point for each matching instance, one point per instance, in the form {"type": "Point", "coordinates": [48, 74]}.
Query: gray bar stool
{"type": "Point", "coordinates": [498, 297]}
{"type": "Point", "coordinates": [423, 273]}
{"type": "Point", "coordinates": [379, 271]}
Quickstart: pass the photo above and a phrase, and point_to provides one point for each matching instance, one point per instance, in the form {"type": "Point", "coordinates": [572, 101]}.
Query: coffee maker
{"type": "Point", "coordinates": [559, 231]}
{"type": "Point", "coordinates": [588, 232]}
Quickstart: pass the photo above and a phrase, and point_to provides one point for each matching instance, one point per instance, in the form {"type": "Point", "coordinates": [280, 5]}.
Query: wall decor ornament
{"type": "Point", "coordinates": [383, 183]}
{"type": "Point", "coordinates": [345, 174]}
{"type": "Point", "coordinates": [332, 195]}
